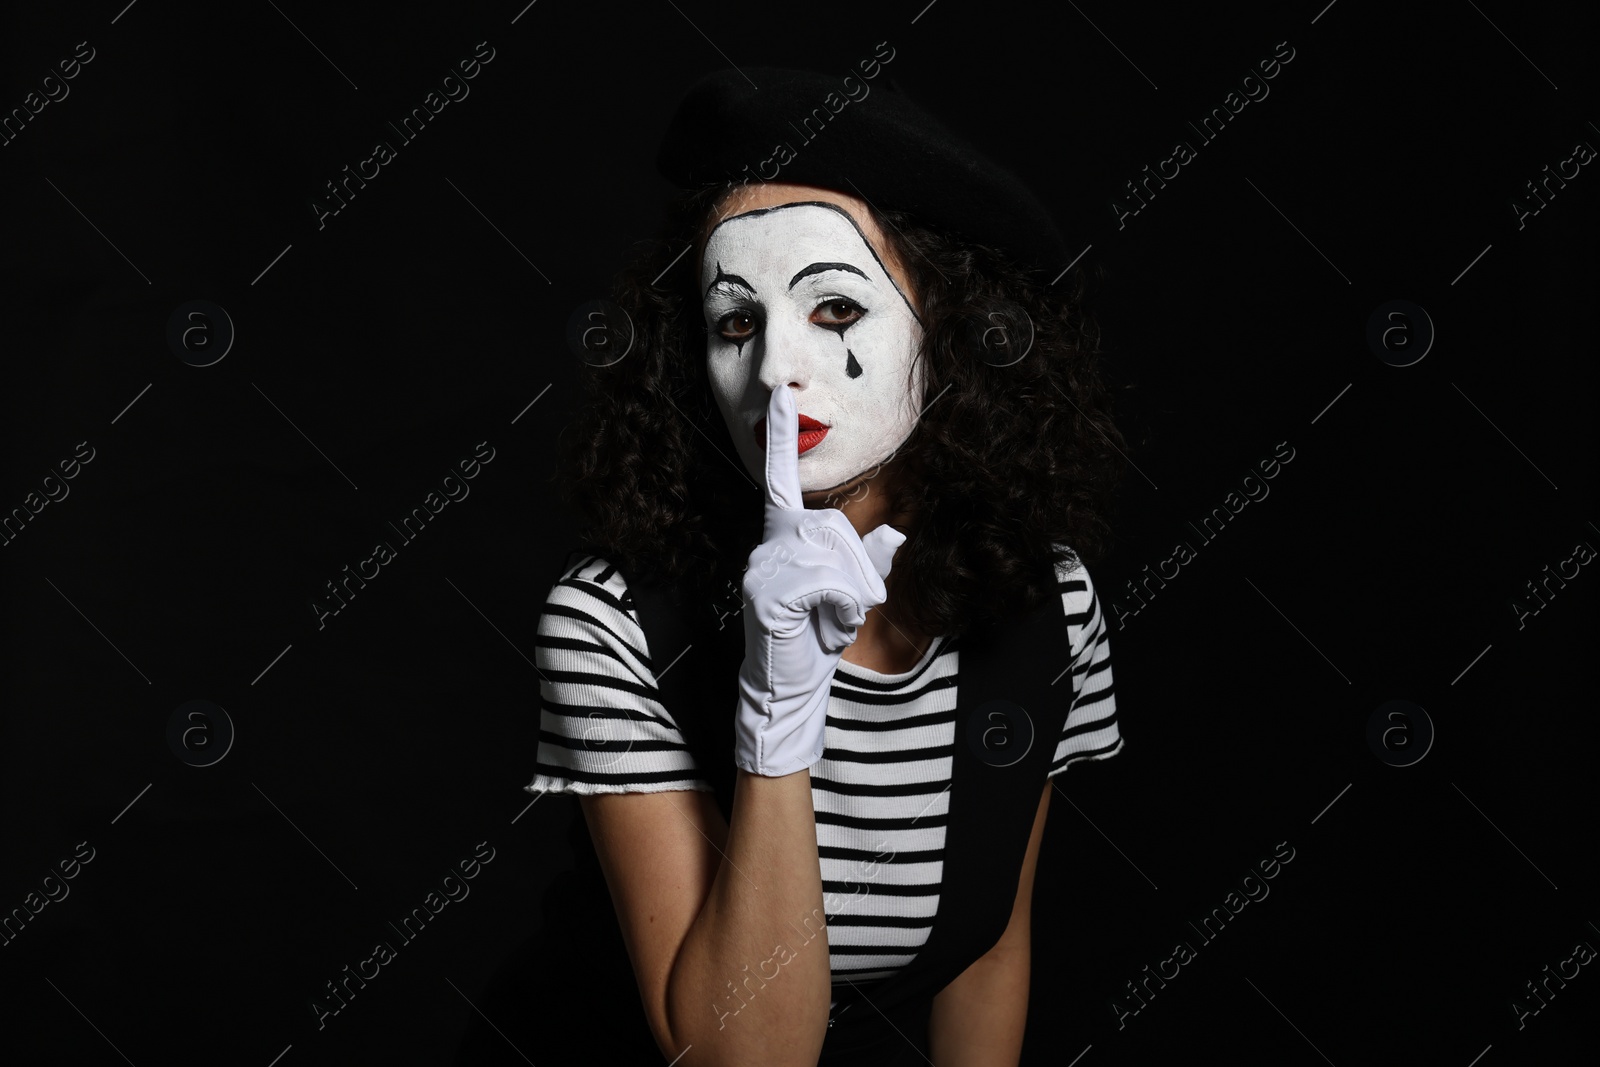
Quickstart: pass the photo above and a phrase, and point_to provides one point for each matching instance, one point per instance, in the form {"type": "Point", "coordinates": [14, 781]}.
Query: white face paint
{"type": "Point", "coordinates": [795, 294]}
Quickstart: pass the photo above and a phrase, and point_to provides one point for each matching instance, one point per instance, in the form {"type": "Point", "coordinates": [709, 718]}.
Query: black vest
{"type": "Point", "coordinates": [1007, 702]}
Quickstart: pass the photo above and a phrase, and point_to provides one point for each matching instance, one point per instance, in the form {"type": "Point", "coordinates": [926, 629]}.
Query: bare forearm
{"type": "Point", "coordinates": [751, 981]}
{"type": "Point", "coordinates": [978, 1020]}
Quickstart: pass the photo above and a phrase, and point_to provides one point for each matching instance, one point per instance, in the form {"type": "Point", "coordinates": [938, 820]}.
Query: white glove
{"type": "Point", "coordinates": [807, 586]}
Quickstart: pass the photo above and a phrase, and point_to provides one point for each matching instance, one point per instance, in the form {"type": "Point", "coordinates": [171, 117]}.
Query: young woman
{"type": "Point", "coordinates": [856, 427]}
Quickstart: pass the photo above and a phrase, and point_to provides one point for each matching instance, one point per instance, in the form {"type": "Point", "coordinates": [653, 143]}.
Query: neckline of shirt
{"type": "Point", "coordinates": [867, 674]}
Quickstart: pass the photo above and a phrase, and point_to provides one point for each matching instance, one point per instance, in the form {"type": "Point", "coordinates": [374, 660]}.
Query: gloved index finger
{"type": "Point", "coordinates": [783, 451]}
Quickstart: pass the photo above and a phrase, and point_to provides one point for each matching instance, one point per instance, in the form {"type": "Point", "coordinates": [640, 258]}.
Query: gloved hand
{"type": "Point", "coordinates": [807, 587]}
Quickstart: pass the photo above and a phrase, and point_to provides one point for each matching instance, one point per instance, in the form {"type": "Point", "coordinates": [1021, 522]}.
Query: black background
{"type": "Point", "coordinates": [378, 351]}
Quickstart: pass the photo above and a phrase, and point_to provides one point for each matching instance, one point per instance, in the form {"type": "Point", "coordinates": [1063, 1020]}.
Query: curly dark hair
{"type": "Point", "coordinates": [1010, 457]}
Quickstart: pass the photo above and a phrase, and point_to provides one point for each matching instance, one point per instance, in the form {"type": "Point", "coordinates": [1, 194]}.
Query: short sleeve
{"type": "Point", "coordinates": [602, 727]}
{"type": "Point", "coordinates": [1091, 727]}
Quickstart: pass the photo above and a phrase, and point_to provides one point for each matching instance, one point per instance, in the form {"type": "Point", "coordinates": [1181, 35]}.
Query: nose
{"type": "Point", "coordinates": [783, 358]}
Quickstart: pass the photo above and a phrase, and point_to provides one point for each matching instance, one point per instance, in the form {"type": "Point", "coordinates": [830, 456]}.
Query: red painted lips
{"type": "Point", "coordinates": [811, 433]}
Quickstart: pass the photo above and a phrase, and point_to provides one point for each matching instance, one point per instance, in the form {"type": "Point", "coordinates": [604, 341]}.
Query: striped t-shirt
{"type": "Point", "coordinates": [880, 791]}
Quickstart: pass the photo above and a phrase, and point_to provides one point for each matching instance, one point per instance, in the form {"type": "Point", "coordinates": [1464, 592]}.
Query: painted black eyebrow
{"type": "Point", "coordinates": [843, 214]}
{"type": "Point", "coordinates": [818, 268]}
{"type": "Point", "coordinates": [734, 278]}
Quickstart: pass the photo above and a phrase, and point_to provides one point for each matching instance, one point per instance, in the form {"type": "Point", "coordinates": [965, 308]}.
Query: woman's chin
{"type": "Point", "coordinates": [830, 496]}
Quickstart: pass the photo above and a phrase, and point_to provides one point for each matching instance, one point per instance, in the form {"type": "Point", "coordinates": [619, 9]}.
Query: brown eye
{"type": "Point", "coordinates": [736, 326]}
{"type": "Point", "coordinates": [838, 315]}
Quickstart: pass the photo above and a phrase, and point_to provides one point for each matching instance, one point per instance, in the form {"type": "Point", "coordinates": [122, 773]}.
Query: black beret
{"type": "Point", "coordinates": [856, 136]}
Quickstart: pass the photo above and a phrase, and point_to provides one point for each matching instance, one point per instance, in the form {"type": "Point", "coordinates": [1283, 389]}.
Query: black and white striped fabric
{"type": "Point", "coordinates": [880, 791]}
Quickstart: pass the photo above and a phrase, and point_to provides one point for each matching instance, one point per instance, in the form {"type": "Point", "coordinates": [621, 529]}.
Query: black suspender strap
{"type": "Point", "coordinates": [1009, 719]}
{"type": "Point", "coordinates": [700, 652]}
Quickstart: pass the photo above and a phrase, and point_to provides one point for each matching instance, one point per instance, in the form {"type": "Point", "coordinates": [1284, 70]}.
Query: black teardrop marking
{"type": "Point", "coordinates": [851, 367]}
